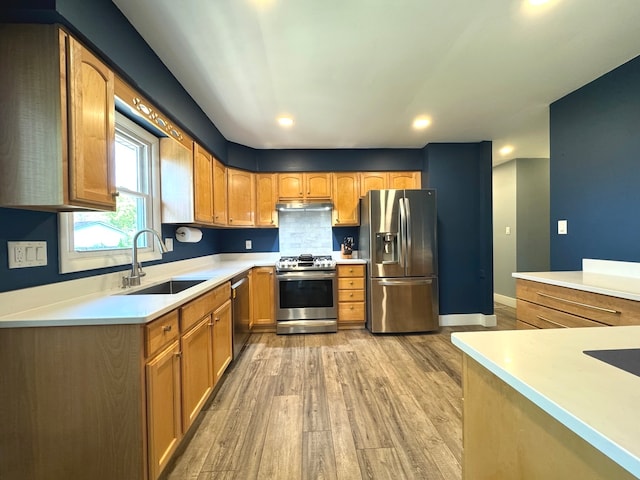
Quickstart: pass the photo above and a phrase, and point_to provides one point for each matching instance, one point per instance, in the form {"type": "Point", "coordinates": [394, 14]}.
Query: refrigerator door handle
{"type": "Point", "coordinates": [399, 282]}
{"type": "Point", "coordinates": [407, 238]}
{"type": "Point", "coordinates": [402, 219]}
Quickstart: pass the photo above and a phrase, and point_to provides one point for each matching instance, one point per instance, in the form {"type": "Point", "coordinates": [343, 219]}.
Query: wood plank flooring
{"type": "Point", "coordinates": [342, 406]}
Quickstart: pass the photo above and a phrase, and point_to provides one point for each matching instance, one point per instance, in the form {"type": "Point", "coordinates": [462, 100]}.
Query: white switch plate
{"type": "Point", "coordinates": [27, 254]}
{"type": "Point", "coordinates": [507, 231]}
{"type": "Point", "coordinates": [562, 227]}
{"type": "Point", "coordinates": [248, 244]}
{"type": "Point", "coordinates": [168, 242]}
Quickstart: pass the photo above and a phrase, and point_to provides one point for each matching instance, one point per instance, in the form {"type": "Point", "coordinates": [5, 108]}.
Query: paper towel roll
{"type": "Point", "coordinates": [188, 235]}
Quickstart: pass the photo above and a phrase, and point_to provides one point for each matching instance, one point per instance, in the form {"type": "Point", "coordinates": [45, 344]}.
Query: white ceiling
{"type": "Point", "coordinates": [355, 73]}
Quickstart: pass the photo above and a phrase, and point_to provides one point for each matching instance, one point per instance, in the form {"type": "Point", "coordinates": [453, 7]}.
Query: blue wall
{"type": "Point", "coordinates": [461, 174]}
{"type": "Point", "coordinates": [595, 170]}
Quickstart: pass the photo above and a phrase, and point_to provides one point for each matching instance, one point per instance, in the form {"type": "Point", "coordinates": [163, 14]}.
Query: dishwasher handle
{"type": "Point", "coordinates": [239, 282]}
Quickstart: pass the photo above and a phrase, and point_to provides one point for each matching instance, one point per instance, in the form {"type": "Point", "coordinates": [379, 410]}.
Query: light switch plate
{"type": "Point", "coordinates": [507, 231]}
{"type": "Point", "coordinates": [168, 242]}
{"type": "Point", "coordinates": [562, 227]}
{"type": "Point", "coordinates": [27, 254]}
{"type": "Point", "coordinates": [248, 244]}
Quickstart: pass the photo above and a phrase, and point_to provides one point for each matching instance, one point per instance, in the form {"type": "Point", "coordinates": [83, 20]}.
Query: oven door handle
{"type": "Point", "coordinates": [294, 276]}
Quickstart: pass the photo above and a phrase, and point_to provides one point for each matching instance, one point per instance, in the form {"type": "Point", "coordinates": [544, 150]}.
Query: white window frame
{"type": "Point", "coordinates": [72, 261]}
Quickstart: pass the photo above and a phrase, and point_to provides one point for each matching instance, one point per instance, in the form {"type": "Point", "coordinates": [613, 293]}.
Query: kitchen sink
{"type": "Point", "coordinates": [170, 287]}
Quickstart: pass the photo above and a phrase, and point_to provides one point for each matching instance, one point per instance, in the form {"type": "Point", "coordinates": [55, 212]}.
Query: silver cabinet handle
{"type": "Point", "coordinates": [550, 321]}
{"type": "Point", "coordinates": [585, 305]}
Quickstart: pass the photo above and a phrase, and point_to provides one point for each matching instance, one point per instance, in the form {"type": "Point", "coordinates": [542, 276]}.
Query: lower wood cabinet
{"type": "Point", "coordinates": [351, 296]}
{"type": "Point", "coordinates": [263, 310]}
{"type": "Point", "coordinates": [222, 339]}
{"type": "Point", "coordinates": [195, 344]}
{"type": "Point", "coordinates": [541, 305]}
{"type": "Point", "coordinates": [197, 369]}
{"type": "Point", "coordinates": [163, 407]}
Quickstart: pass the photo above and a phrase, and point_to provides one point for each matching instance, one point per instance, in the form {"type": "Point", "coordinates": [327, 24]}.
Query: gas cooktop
{"type": "Point", "coordinates": [305, 262]}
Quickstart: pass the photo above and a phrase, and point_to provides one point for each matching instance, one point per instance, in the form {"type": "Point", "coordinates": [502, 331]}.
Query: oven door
{"type": "Point", "coordinates": [306, 295]}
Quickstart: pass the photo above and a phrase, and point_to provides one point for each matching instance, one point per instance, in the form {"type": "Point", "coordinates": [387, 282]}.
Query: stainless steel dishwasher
{"type": "Point", "coordinates": [240, 312]}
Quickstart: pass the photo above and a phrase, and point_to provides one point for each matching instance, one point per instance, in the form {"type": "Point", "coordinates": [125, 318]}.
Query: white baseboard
{"type": "Point", "coordinates": [504, 300]}
{"type": "Point", "coordinates": [464, 319]}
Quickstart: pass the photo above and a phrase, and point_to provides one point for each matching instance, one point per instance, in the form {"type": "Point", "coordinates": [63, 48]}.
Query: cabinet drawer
{"type": "Point", "coordinates": [350, 283]}
{"type": "Point", "coordinates": [161, 332]}
{"type": "Point", "coordinates": [351, 312]}
{"type": "Point", "coordinates": [544, 317]}
{"type": "Point", "coordinates": [204, 304]}
{"type": "Point", "coordinates": [350, 295]}
{"type": "Point", "coordinates": [350, 270]}
{"type": "Point", "coordinates": [594, 306]}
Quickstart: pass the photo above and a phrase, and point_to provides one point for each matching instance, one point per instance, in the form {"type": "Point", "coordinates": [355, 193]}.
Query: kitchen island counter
{"type": "Point", "coordinates": [594, 400]}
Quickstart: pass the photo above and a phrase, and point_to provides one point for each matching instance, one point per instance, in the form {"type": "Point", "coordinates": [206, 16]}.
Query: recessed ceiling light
{"type": "Point", "coordinates": [421, 122]}
{"type": "Point", "coordinates": [535, 3]}
{"type": "Point", "coordinates": [506, 150]}
{"type": "Point", "coordinates": [285, 121]}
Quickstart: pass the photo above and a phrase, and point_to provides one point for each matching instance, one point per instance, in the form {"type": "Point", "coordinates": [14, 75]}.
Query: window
{"type": "Point", "coordinates": [90, 240]}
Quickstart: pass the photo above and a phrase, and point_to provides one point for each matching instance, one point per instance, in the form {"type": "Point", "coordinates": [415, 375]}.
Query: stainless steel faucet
{"type": "Point", "coordinates": [133, 280]}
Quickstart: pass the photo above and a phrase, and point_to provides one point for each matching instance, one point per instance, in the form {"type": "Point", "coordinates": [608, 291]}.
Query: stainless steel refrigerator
{"type": "Point", "coordinates": [398, 241]}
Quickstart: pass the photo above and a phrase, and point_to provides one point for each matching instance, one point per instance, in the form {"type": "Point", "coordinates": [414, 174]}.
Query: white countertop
{"type": "Point", "coordinates": [616, 279]}
{"type": "Point", "coordinates": [100, 300]}
{"type": "Point", "coordinates": [597, 401]}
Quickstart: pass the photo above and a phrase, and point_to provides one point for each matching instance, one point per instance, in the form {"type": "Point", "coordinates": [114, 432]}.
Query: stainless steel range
{"type": "Point", "coordinates": [306, 294]}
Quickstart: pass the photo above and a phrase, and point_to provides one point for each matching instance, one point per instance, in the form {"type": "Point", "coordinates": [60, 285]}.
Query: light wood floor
{"type": "Point", "coordinates": [346, 406]}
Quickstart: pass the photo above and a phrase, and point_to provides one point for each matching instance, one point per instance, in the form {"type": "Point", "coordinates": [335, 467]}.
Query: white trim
{"type": "Point", "coordinates": [71, 261]}
{"type": "Point", "coordinates": [504, 300]}
{"type": "Point", "coordinates": [464, 319]}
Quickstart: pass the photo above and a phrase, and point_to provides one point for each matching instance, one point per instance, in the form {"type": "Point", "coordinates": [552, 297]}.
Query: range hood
{"type": "Point", "coordinates": [304, 206]}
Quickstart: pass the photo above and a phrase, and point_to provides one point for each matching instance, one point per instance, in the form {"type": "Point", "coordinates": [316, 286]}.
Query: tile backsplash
{"type": "Point", "coordinates": [305, 232]}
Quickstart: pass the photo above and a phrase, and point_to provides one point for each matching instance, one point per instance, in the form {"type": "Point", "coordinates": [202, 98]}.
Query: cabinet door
{"type": "Point", "coordinates": [91, 130]}
{"type": "Point", "coordinates": [241, 197]}
{"type": "Point", "coordinates": [222, 339]}
{"type": "Point", "coordinates": [266, 198]}
{"type": "Point", "coordinates": [317, 185]}
{"type": "Point", "coordinates": [404, 180]}
{"type": "Point", "coordinates": [163, 408]}
{"type": "Point", "coordinates": [290, 186]}
{"type": "Point", "coordinates": [219, 193]}
{"type": "Point", "coordinates": [203, 185]}
{"type": "Point", "coordinates": [197, 370]}
{"type": "Point", "coordinates": [346, 197]}
{"type": "Point", "coordinates": [262, 296]}
{"type": "Point", "coordinates": [373, 181]}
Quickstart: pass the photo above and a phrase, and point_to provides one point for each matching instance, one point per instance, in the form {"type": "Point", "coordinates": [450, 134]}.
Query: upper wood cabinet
{"type": "Point", "coordinates": [241, 195]}
{"type": "Point", "coordinates": [317, 185]}
{"type": "Point", "coordinates": [219, 193]}
{"type": "Point", "coordinates": [57, 123]}
{"type": "Point", "coordinates": [346, 198]}
{"type": "Point", "coordinates": [392, 180]}
{"type": "Point", "coordinates": [266, 199]}
{"type": "Point", "coordinates": [373, 181]}
{"type": "Point", "coordinates": [203, 184]}
{"type": "Point", "coordinates": [405, 180]}
{"type": "Point", "coordinates": [298, 186]}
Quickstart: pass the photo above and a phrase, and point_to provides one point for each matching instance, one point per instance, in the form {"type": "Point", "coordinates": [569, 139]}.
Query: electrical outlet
{"type": "Point", "coordinates": [168, 242]}
{"type": "Point", "coordinates": [248, 245]}
{"type": "Point", "coordinates": [26, 254]}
